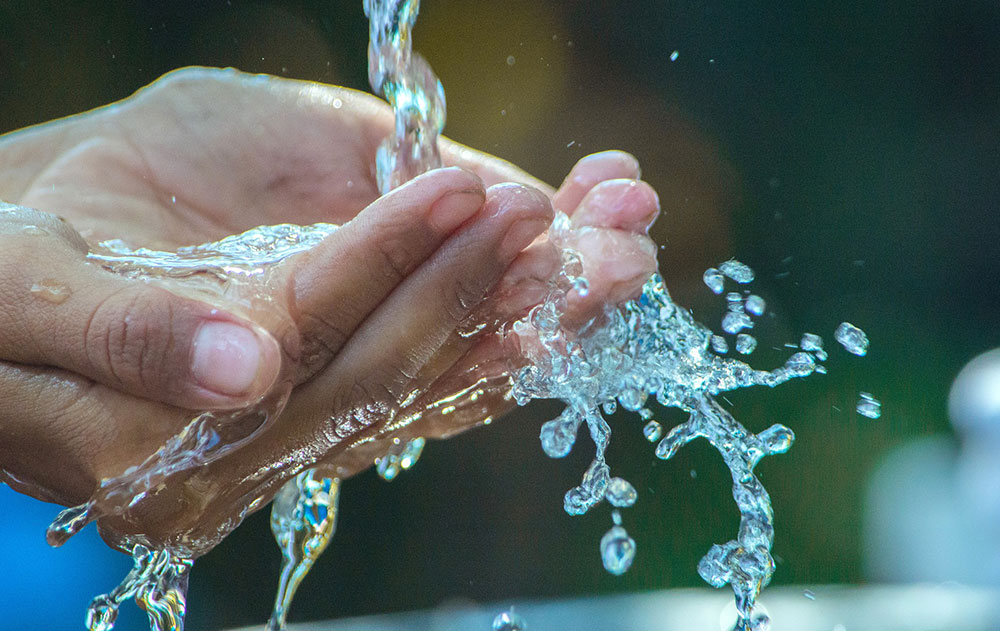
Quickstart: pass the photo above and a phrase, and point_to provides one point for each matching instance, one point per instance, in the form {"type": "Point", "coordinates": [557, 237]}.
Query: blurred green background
{"type": "Point", "coordinates": [849, 152]}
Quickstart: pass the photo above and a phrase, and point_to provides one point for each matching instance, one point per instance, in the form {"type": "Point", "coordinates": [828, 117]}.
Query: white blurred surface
{"type": "Point", "coordinates": [947, 607]}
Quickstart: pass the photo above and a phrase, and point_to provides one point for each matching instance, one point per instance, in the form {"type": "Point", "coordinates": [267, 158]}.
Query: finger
{"type": "Point", "coordinates": [621, 204]}
{"type": "Point", "coordinates": [58, 309]}
{"type": "Point", "coordinates": [591, 171]}
{"type": "Point", "coordinates": [388, 356]}
{"type": "Point", "coordinates": [490, 169]}
{"type": "Point", "coordinates": [341, 281]}
{"type": "Point", "coordinates": [60, 433]}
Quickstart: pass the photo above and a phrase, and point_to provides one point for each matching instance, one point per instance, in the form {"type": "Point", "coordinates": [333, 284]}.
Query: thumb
{"type": "Point", "coordinates": [56, 309]}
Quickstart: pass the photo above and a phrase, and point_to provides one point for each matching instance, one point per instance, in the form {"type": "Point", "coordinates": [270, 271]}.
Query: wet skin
{"type": "Point", "coordinates": [363, 329]}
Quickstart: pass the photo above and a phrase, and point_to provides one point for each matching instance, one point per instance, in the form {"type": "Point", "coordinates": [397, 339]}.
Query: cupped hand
{"type": "Point", "coordinates": [100, 370]}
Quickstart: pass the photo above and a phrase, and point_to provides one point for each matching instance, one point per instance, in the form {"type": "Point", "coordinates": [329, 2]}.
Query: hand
{"type": "Point", "coordinates": [109, 374]}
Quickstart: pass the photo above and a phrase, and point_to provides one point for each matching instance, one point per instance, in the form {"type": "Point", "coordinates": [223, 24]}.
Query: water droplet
{"type": "Point", "coordinates": [632, 399]}
{"type": "Point", "coordinates": [852, 338]}
{"type": "Point", "coordinates": [811, 342]}
{"type": "Point", "coordinates": [652, 431]}
{"type": "Point", "coordinates": [755, 305]}
{"type": "Point", "coordinates": [617, 550]}
{"type": "Point", "coordinates": [173, 199]}
{"type": "Point", "coordinates": [719, 345]}
{"type": "Point", "coordinates": [337, 104]}
{"type": "Point", "coordinates": [734, 301]}
{"type": "Point", "coordinates": [387, 467]}
{"type": "Point", "coordinates": [411, 452]}
{"type": "Point", "coordinates": [713, 279]}
{"type": "Point", "coordinates": [52, 291]}
{"type": "Point", "coordinates": [674, 55]}
{"type": "Point", "coordinates": [808, 593]}
{"type": "Point", "coordinates": [509, 621]}
{"type": "Point", "coordinates": [620, 493]}
{"type": "Point", "coordinates": [34, 231]}
{"type": "Point", "coordinates": [734, 322]}
{"type": "Point", "coordinates": [616, 517]}
{"type": "Point", "coordinates": [869, 406]}
{"type": "Point", "coordinates": [745, 344]}
{"type": "Point", "coordinates": [559, 434]}
{"type": "Point", "coordinates": [740, 272]}
{"type": "Point", "coordinates": [776, 439]}
{"type": "Point", "coordinates": [510, 60]}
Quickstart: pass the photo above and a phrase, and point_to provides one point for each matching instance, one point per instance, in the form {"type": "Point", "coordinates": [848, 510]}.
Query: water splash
{"type": "Point", "coordinates": [399, 457]}
{"type": "Point", "coordinates": [651, 347]}
{"type": "Point", "coordinates": [869, 406]}
{"type": "Point", "coordinates": [852, 338]}
{"type": "Point", "coordinates": [407, 82]}
{"type": "Point", "coordinates": [303, 520]}
{"type": "Point", "coordinates": [158, 583]}
{"type": "Point", "coordinates": [51, 290]}
{"type": "Point", "coordinates": [509, 621]}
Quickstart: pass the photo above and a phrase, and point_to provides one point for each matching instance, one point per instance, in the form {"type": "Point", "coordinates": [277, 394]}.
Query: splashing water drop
{"type": "Point", "coordinates": [617, 550]}
{"type": "Point", "coordinates": [509, 621]}
{"type": "Point", "coordinates": [745, 344]}
{"type": "Point", "coordinates": [852, 338]}
{"type": "Point", "coordinates": [158, 583]}
{"type": "Point", "coordinates": [755, 305]}
{"type": "Point", "coordinates": [734, 301]}
{"type": "Point", "coordinates": [621, 493]}
{"type": "Point", "coordinates": [719, 345]}
{"type": "Point", "coordinates": [740, 272]}
{"type": "Point", "coordinates": [559, 434]}
{"type": "Point", "coordinates": [869, 406]}
{"type": "Point", "coordinates": [52, 291]}
{"type": "Point", "coordinates": [652, 431]}
{"type": "Point", "coordinates": [714, 280]}
{"type": "Point", "coordinates": [734, 322]}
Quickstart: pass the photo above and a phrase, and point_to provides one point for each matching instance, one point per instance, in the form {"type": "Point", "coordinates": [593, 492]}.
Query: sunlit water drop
{"type": "Point", "coordinates": [51, 290]}
{"type": "Point", "coordinates": [509, 621]}
{"type": "Point", "coordinates": [755, 305]}
{"type": "Point", "coordinates": [869, 406]}
{"type": "Point", "coordinates": [617, 550]}
{"type": "Point", "coordinates": [740, 272]}
{"type": "Point", "coordinates": [851, 338]}
{"type": "Point", "coordinates": [714, 280]}
{"type": "Point", "coordinates": [745, 344]}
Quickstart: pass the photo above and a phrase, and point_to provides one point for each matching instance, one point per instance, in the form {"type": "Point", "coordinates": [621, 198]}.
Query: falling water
{"type": "Point", "coordinates": [303, 519]}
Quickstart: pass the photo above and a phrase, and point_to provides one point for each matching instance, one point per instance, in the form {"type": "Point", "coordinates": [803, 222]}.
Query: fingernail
{"type": "Point", "coordinates": [228, 359]}
{"type": "Point", "coordinates": [453, 208]}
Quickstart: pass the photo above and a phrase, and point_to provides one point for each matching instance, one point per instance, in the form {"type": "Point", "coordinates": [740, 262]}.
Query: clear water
{"type": "Point", "coordinates": [509, 621]}
{"type": "Point", "coordinates": [652, 349]}
{"type": "Point", "coordinates": [303, 520]}
{"type": "Point", "coordinates": [851, 338]}
{"type": "Point", "coordinates": [406, 81]}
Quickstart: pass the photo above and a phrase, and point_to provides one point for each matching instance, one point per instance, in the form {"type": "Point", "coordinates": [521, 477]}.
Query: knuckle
{"type": "Point", "coordinates": [465, 294]}
{"type": "Point", "coordinates": [322, 338]}
{"type": "Point", "coordinates": [395, 251]}
{"type": "Point", "coordinates": [130, 335]}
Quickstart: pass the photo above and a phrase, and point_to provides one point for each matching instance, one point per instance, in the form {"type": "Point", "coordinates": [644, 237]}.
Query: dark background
{"type": "Point", "coordinates": [847, 151]}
